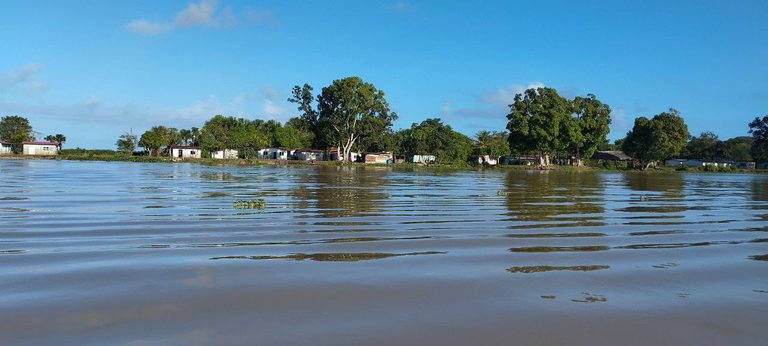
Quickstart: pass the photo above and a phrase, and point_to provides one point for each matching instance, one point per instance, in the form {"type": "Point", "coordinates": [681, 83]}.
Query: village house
{"type": "Point", "coordinates": [483, 160]}
{"type": "Point", "coordinates": [698, 163]}
{"type": "Point", "coordinates": [384, 158]}
{"type": "Point", "coordinates": [224, 154]}
{"type": "Point", "coordinates": [273, 154]}
{"type": "Point", "coordinates": [185, 152]}
{"type": "Point", "coordinates": [6, 148]}
{"type": "Point", "coordinates": [333, 153]}
{"type": "Point", "coordinates": [308, 154]}
{"type": "Point", "coordinates": [425, 159]}
{"type": "Point", "coordinates": [40, 148]}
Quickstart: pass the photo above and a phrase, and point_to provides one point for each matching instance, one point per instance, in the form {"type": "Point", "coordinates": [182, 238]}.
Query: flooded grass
{"type": "Point", "coordinates": [543, 269]}
{"type": "Point", "coordinates": [333, 257]}
{"type": "Point", "coordinates": [559, 248]}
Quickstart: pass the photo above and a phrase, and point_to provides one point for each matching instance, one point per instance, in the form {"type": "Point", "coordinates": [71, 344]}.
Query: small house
{"type": "Point", "coordinates": [384, 158]}
{"type": "Point", "coordinates": [6, 148]}
{"type": "Point", "coordinates": [185, 152]}
{"type": "Point", "coordinates": [308, 154]}
{"type": "Point", "coordinates": [40, 148]}
{"type": "Point", "coordinates": [272, 154]}
{"type": "Point", "coordinates": [425, 159]}
{"type": "Point", "coordinates": [611, 155]}
{"type": "Point", "coordinates": [334, 155]}
{"type": "Point", "coordinates": [224, 154]}
{"type": "Point", "coordinates": [698, 163]}
{"type": "Point", "coordinates": [483, 160]}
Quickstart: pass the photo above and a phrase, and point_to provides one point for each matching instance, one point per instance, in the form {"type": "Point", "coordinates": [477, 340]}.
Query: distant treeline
{"type": "Point", "coordinates": [354, 116]}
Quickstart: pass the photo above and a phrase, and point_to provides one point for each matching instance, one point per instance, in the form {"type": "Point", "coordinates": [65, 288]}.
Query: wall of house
{"type": "Point", "coordinates": [36, 149]}
{"type": "Point", "coordinates": [5, 149]}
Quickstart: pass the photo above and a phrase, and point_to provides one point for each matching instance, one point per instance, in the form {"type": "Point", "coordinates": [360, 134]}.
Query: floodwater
{"type": "Point", "coordinates": [96, 253]}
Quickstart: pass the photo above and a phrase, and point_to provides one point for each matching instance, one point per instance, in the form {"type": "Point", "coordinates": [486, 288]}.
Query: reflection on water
{"type": "Point", "coordinates": [79, 240]}
{"type": "Point", "coordinates": [334, 257]}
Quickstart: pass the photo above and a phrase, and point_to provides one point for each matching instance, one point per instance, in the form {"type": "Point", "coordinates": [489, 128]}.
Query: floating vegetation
{"type": "Point", "coordinates": [13, 198]}
{"type": "Point", "coordinates": [590, 298]}
{"type": "Point", "coordinates": [558, 248]}
{"type": "Point", "coordinates": [665, 265]}
{"type": "Point", "coordinates": [249, 204]}
{"type": "Point", "coordinates": [760, 291]}
{"type": "Point", "coordinates": [541, 269]}
{"type": "Point", "coordinates": [502, 193]}
{"type": "Point", "coordinates": [548, 297]}
{"type": "Point", "coordinates": [554, 235]}
{"type": "Point", "coordinates": [664, 246]}
{"type": "Point", "coordinates": [334, 257]}
{"type": "Point", "coordinates": [683, 295]}
{"type": "Point", "coordinates": [215, 194]}
{"type": "Point", "coordinates": [759, 257]}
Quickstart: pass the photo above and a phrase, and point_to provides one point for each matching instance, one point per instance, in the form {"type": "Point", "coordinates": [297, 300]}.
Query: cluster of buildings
{"type": "Point", "coordinates": [33, 148]}
{"type": "Point", "coordinates": [186, 152]}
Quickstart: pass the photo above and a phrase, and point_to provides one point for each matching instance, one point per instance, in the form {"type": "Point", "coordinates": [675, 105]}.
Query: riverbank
{"type": "Point", "coordinates": [110, 156]}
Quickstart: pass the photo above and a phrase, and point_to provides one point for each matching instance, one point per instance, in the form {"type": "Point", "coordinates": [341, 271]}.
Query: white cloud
{"type": "Point", "coordinates": [24, 77]}
{"type": "Point", "coordinates": [201, 14]}
{"type": "Point", "coordinates": [271, 104]}
{"type": "Point", "coordinates": [503, 97]}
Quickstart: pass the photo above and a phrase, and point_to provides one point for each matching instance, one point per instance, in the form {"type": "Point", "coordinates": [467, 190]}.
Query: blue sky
{"type": "Point", "coordinates": [95, 69]}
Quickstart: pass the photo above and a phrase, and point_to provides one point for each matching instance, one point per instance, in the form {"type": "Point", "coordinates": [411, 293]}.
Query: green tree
{"type": "Point", "coordinates": [738, 148]}
{"type": "Point", "coordinates": [656, 139]}
{"type": "Point", "coordinates": [349, 109]}
{"type": "Point", "coordinates": [706, 146]}
{"type": "Point", "coordinates": [245, 136]}
{"type": "Point", "coordinates": [15, 130]}
{"type": "Point", "coordinates": [57, 138]}
{"type": "Point", "coordinates": [159, 139]}
{"type": "Point", "coordinates": [431, 136]}
{"type": "Point", "coordinates": [190, 137]}
{"type": "Point", "coordinates": [494, 144]}
{"type": "Point", "coordinates": [126, 143]}
{"type": "Point", "coordinates": [292, 137]}
{"type": "Point", "coordinates": [536, 120]}
{"type": "Point", "coordinates": [302, 96]}
{"type": "Point", "coordinates": [758, 128]}
{"type": "Point", "coordinates": [593, 119]}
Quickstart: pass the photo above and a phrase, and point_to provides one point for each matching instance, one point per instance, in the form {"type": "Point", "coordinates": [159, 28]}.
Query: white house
{"type": "Point", "coordinates": [273, 154]}
{"type": "Point", "coordinates": [308, 154]}
{"type": "Point", "coordinates": [40, 148]}
{"type": "Point", "coordinates": [184, 152]}
{"type": "Point", "coordinates": [224, 154]}
{"type": "Point", "coordinates": [334, 155]}
{"type": "Point", "coordinates": [5, 148]}
{"type": "Point", "coordinates": [422, 159]}
{"type": "Point", "coordinates": [483, 160]}
{"type": "Point", "coordinates": [694, 163]}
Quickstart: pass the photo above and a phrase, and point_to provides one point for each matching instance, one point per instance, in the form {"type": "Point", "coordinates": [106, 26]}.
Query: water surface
{"type": "Point", "coordinates": [131, 253]}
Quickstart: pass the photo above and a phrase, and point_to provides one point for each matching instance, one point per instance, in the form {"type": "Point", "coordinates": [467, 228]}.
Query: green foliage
{"type": "Point", "coordinates": [738, 148]}
{"type": "Point", "coordinates": [433, 137]}
{"type": "Point", "coordinates": [656, 139]}
{"type": "Point", "coordinates": [126, 143]}
{"type": "Point", "coordinates": [759, 130]}
{"type": "Point", "coordinates": [293, 137]}
{"type": "Point", "coordinates": [250, 204]}
{"type": "Point", "coordinates": [245, 136]}
{"type": "Point", "coordinates": [308, 120]}
{"type": "Point", "coordinates": [158, 139]}
{"type": "Point", "coordinates": [706, 146]}
{"type": "Point", "coordinates": [15, 130]}
{"type": "Point", "coordinates": [350, 110]}
{"type": "Point", "coordinates": [494, 144]}
{"type": "Point", "coordinates": [190, 137]}
{"type": "Point", "coordinates": [57, 138]}
{"type": "Point", "coordinates": [593, 119]}
{"type": "Point", "coordinates": [536, 119]}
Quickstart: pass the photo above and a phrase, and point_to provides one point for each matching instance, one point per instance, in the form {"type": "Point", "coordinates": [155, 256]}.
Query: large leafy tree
{"type": "Point", "coordinates": [431, 136]}
{"type": "Point", "coordinates": [304, 100]}
{"type": "Point", "coordinates": [540, 122]}
{"type": "Point", "coordinates": [758, 128]}
{"type": "Point", "coordinates": [15, 130]}
{"type": "Point", "coordinates": [592, 119]}
{"type": "Point", "coordinates": [245, 136]}
{"type": "Point", "coordinates": [126, 143]}
{"type": "Point", "coordinates": [158, 139]}
{"type": "Point", "coordinates": [656, 139]}
{"type": "Point", "coordinates": [353, 108]}
{"type": "Point", "coordinates": [293, 137]}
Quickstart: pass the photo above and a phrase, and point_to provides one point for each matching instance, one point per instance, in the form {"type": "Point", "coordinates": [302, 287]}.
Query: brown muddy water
{"type": "Point", "coordinates": [95, 253]}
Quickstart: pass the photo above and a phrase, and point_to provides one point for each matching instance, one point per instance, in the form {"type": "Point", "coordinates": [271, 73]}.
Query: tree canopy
{"type": "Point", "coordinates": [15, 130]}
{"type": "Point", "coordinates": [431, 136]}
{"type": "Point", "coordinates": [57, 138]}
{"type": "Point", "coordinates": [758, 128]}
{"type": "Point", "coordinates": [656, 139]}
{"type": "Point", "coordinates": [126, 143]}
{"type": "Point", "coordinates": [158, 139]}
{"type": "Point", "coordinates": [493, 144]}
